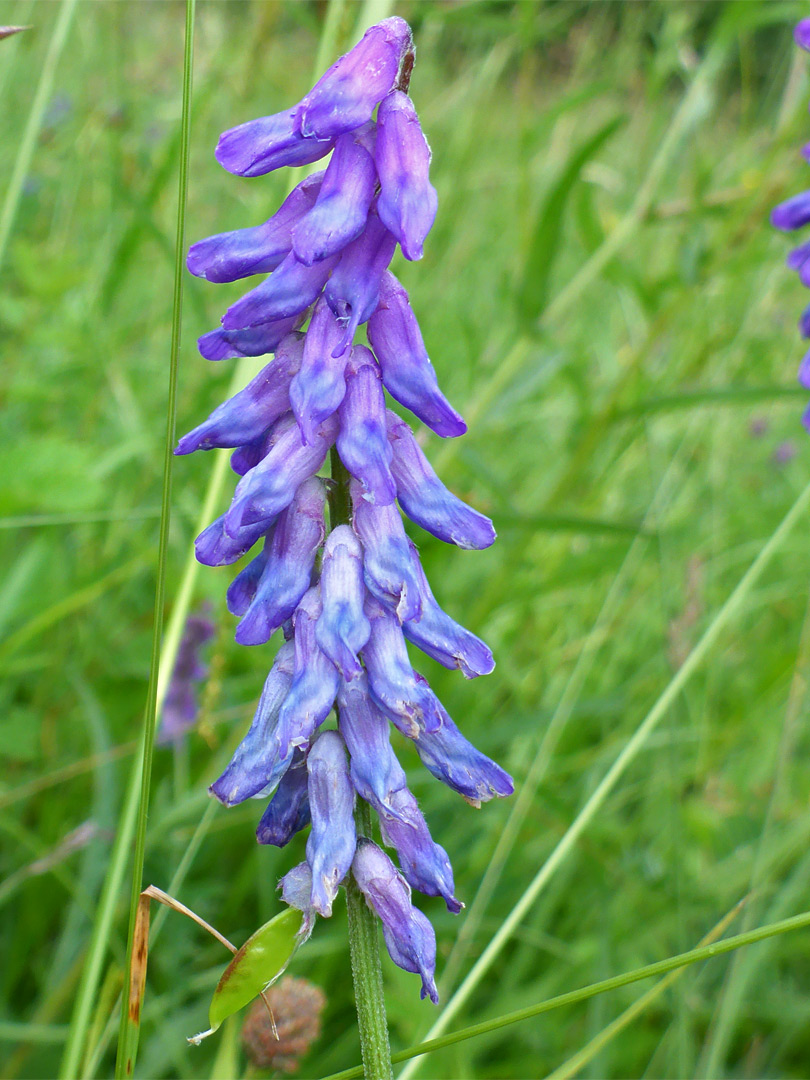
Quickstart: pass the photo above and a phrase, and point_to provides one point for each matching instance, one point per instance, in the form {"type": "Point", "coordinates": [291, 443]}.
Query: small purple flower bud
{"type": "Point", "coordinates": [804, 323]}
{"type": "Point", "coordinates": [786, 451]}
{"type": "Point", "coordinates": [318, 388]}
{"type": "Point", "coordinates": [222, 344]}
{"type": "Point", "coordinates": [407, 372]}
{"type": "Point", "coordinates": [216, 547]}
{"type": "Point", "coordinates": [331, 843]}
{"type": "Point", "coordinates": [341, 211]}
{"type": "Point", "coordinates": [391, 677]}
{"type": "Point", "coordinates": [232, 255]}
{"type": "Point", "coordinates": [287, 292]}
{"type": "Point", "coordinates": [423, 862]}
{"type": "Point", "coordinates": [375, 771]}
{"type": "Point", "coordinates": [387, 563]}
{"type": "Point", "coordinates": [801, 34]}
{"type": "Point", "coordinates": [798, 256]}
{"type": "Point", "coordinates": [362, 441]}
{"type": "Point", "coordinates": [342, 629]}
{"type": "Point", "coordinates": [408, 935]}
{"type": "Point", "coordinates": [269, 487]}
{"type": "Point", "coordinates": [259, 146]}
{"type": "Point", "coordinates": [408, 201]}
{"type": "Point", "coordinates": [246, 416]}
{"type": "Point", "coordinates": [344, 98]}
{"type": "Point", "coordinates": [180, 707]}
{"type": "Point", "coordinates": [242, 589]}
{"type": "Point", "coordinates": [298, 535]}
{"type": "Point", "coordinates": [296, 890]}
{"type": "Point", "coordinates": [353, 290]}
{"type": "Point", "coordinates": [288, 810]}
{"type": "Point", "coordinates": [254, 766]}
{"type": "Point", "coordinates": [804, 371]}
{"type": "Point", "coordinates": [441, 637]}
{"type": "Point", "coordinates": [426, 500]}
{"type": "Point", "coordinates": [456, 762]}
{"type": "Point", "coordinates": [793, 213]}
{"type": "Point", "coordinates": [315, 683]}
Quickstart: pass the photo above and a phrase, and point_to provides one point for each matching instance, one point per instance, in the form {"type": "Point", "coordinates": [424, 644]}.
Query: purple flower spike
{"type": "Point", "coordinates": [408, 935]}
{"type": "Point", "coordinates": [216, 547]}
{"type": "Point", "coordinates": [387, 561]}
{"type": "Point", "coordinates": [253, 766]}
{"type": "Point", "coordinates": [426, 500]}
{"type": "Point", "coordinates": [363, 442]}
{"type": "Point", "coordinates": [259, 146]}
{"type": "Point", "coordinates": [408, 201]}
{"type": "Point", "coordinates": [288, 811]}
{"type": "Point", "coordinates": [456, 762]}
{"type": "Point", "coordinates": [423, 862]}
{"type": "Point", "coordinates": [297, 537]}
{"type": "Point", "coordinates": [407, 372]}
{"type": "Point", "coordinates": [222, 344]}
{"type": "Point", "coordinates": [314, 687]}
{"type": "Point", "coordinates": [269, 487]}
{"type": "Point", "coordinates": [232, 255]}
{"type": "Point", "coordinates": [441, 637]}
{"type": "Point", "coordinates": [353, 290]}
{"type": "Point", "coordinates": [287, 292]}
{"type": "Point", "coordinates": [318, 388]}
{"type": "Point", "coordinates": [375, 771]}
{"type": "Point", "coordinates": [793, 213]}
{"type": "Point", "coordinates": [180, 707]}
{"type": "Point", "coordinates": [343, 629]}
{"type": "Point", "coordinates": [801, 34]}
{"type": "Point", "coordinates": [331, 844]}
{"type": "Point", "coordinates": [247, 415]}
{"type": "Point", "coordinates": [391, 677]}
{"type": "Point", "coordinates": [242, 589]}
{"type": "Point", "coordinates": [341, 211]}
{"type": "Point", "coordinates": [344, 98]}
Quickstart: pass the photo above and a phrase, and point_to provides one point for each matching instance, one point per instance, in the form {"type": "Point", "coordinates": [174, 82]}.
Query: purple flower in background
{"type": "Point", "coordinates": [180, 707]}
{"type": "Point", "coordinates": [792, 214]}
{"type": "Point", "coordinates": [347, 597]}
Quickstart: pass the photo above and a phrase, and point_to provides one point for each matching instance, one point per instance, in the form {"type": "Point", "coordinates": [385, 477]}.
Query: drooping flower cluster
{"type": "Point", "coordinates": [347, 601]}
{"type": "Point", "coordinates": [794, 214]}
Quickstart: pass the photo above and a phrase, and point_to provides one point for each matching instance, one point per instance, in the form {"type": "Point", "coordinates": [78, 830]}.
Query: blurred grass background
{"type": "Point", "coordinates": [603, 298]}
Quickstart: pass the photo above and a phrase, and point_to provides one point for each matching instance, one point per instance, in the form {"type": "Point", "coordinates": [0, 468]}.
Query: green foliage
{"type": "Point", "coordinates": [611, 441]}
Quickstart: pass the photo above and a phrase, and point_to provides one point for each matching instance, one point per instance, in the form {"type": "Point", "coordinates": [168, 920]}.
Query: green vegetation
{"type": "Point", "coordinates": [605, 302]}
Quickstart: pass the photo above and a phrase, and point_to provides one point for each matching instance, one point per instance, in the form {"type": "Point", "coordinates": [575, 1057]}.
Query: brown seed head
{"type": "Point", "coordinates": [297, 1006]}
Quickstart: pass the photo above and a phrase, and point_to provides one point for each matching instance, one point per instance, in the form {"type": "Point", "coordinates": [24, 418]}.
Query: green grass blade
{"type": "Point", "coordinates": [573, 997]}
{"type": "Point", "coordinates": [614, 774]}
{"type": "Point", "coordinates": [130, 1020]}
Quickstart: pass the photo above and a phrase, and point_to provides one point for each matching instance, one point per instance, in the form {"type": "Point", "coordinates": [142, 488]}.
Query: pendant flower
{"type": "Point", "coordinates": [349, 597]}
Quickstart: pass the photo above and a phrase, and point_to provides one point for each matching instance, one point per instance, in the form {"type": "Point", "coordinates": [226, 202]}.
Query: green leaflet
{"type": "Point", "coordinates": [260, 961]}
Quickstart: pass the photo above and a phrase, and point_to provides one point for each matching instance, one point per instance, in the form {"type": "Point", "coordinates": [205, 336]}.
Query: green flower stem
{"type": "Point", "coordinates": [364, 941]}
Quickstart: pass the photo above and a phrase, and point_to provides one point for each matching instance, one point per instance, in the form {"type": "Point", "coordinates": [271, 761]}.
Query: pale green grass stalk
{"type": "Point", "coordinates": [25, 151]}
{"type": "Point", "coordinates": [631, 750]}
{"type": "Point", "coordinates": [616, 982]}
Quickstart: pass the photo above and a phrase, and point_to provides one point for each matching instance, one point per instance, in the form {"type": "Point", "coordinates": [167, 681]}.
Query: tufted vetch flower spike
{"type": "Point", "coordinates": [329, 562]}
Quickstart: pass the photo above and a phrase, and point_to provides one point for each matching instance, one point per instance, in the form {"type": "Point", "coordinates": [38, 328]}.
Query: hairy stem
{"type": "Point", "coordinates": [364, 942]}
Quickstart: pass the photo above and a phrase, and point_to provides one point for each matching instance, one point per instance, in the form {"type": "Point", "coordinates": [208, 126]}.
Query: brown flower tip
{"type": "Point", "coordinates": [7, 31]}
{"type": "Point", "coordinates": [296, 1006]}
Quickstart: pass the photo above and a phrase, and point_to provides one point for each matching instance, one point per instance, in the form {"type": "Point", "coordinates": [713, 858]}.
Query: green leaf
{"type": "Point", "coordinates": [532, 292]}
{"type": "Point", "coordinates": [260, 961]}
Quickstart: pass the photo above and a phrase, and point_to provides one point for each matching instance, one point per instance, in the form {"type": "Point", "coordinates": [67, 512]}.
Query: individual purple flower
{"type": "Point", "coordinates": [426, 500]}
{"type": "Point", "coordinates": [407, 372]}
{"type": "Point", "coordinates": [362, 440]}
{"type": "Point", "coordinates": [180, 706]}
{"type": "Point", "coordinates": [342, 628]}
{"type": "Point", "coordinates": [340, 212]}
{"type": "Point", "coordinates": [331, 843]}
{"type": "Point", "coordinates": [408, 935]}
{"type": "Point", "coordinates": [257, 250]}
{"type": "Point", "coordinates": [346, 600]}
{"type": "Point", "coordinates": [408, 201]}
